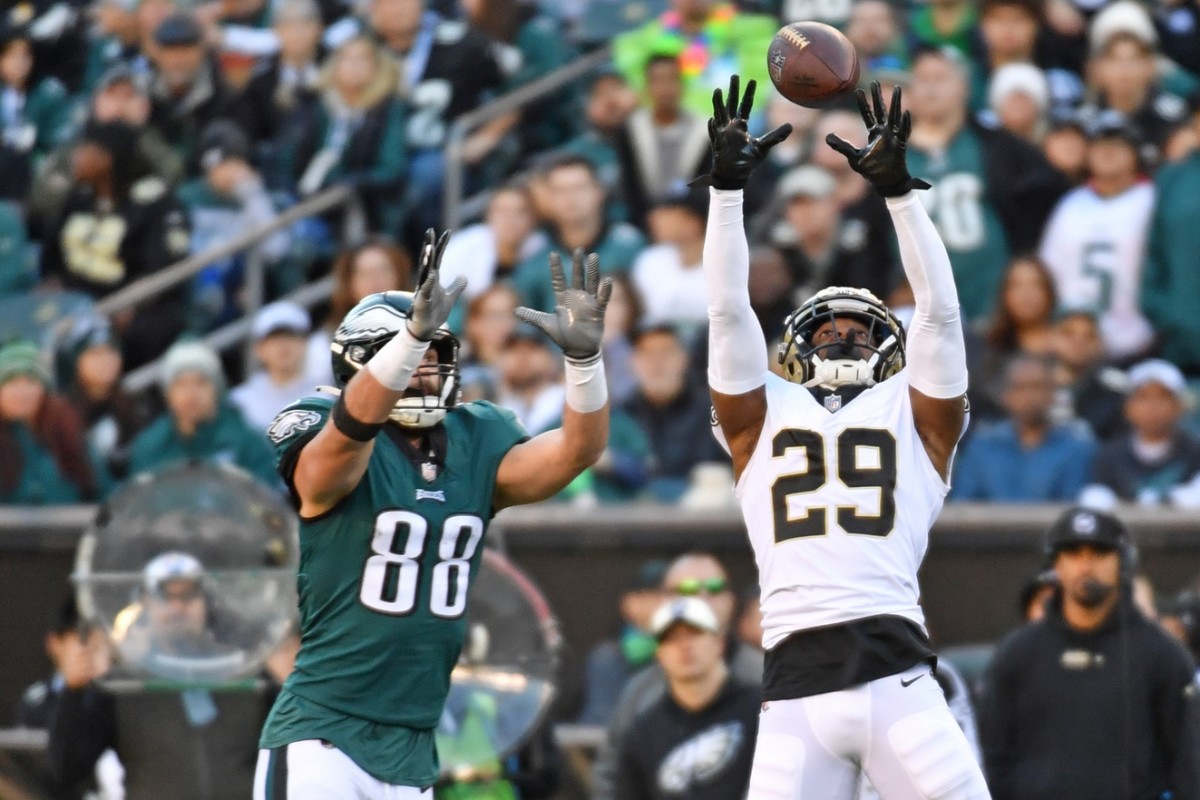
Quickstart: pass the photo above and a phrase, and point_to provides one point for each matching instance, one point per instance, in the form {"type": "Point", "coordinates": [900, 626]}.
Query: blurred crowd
{"type": "Point", "coordinates": [1062, 139]}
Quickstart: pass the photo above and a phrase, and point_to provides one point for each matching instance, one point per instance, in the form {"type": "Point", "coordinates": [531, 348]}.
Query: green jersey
{"type": "Point", "coordinates": [965, 219]}
{"type": "Point", "coordinates": [383, 585]}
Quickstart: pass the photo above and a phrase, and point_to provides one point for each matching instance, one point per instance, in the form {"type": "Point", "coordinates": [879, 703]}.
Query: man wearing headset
{"type": "Point", "coordinates": [1095, 701]}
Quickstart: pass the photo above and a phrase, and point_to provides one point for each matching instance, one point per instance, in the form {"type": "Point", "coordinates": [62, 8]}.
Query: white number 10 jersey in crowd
{"type": "Point", "coordinates": [838, 507]}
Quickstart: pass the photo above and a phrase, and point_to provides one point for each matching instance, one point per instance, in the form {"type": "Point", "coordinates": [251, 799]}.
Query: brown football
{"type": "Point", "coordinates": [811, 63]}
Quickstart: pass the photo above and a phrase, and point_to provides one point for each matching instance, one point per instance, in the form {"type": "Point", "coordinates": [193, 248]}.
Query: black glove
{"type": "Point", "coordinates": [735, 153]}
{"type": "Point", "coordinates": [882, 161]}
{"type": "Point", "coordinates": [432, 303]}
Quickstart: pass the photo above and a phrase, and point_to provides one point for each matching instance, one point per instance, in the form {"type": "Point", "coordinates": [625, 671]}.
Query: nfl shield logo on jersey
{"type": "Point", "coordinates": [833, 402]}
{"type": "Point", "coordinates": [429, 471]}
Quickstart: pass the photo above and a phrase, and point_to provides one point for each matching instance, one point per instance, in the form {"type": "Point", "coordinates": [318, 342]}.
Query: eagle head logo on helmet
{"type": "Point", "coordinates": [839, 364]}
{"type": "Point", "coordinates": [369, 326]}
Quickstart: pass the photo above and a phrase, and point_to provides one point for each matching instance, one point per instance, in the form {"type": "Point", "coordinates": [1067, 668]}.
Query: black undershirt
{"type": "Point", "coordinates": [837, 657]}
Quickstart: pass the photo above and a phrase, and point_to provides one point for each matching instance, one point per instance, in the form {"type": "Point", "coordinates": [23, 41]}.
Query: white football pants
{"type": "Point", "coordinates": [898, 730]}
{"type": "Point", "coordinates": [316, 770]}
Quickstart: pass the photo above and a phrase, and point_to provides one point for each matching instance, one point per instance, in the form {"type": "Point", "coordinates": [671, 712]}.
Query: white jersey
{"type": "Point", "coordinates": [1094, 247]}
{"type": "Point", "coordinates": [838, 507]}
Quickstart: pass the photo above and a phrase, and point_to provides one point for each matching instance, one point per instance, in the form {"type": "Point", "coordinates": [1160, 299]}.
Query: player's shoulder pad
{"type": "Point", "coordinates": [298, 418]}
{"type": "Point", "coordinates": [485, 412]}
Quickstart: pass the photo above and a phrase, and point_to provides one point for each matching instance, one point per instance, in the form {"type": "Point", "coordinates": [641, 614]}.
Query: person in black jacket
{"type": "Point", "coordinates": [697, 741]}
{"type": "Point", "coordinates": [1096, 701]}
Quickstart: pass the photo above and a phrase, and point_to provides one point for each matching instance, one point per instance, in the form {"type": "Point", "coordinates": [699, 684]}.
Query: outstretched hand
{"type": "Point", "coordinates": [883, 160]}
{"type": "Point", "coordinates": [577, 324]}
{"type": "Point", "coordinates": [735, 153]}
{"type": "Point", "coordinates": [432, 303]}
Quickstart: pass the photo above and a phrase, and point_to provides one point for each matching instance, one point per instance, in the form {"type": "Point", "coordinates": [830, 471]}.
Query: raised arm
{"type": "Point", "coordinates": [335, 460]}
{"type": "Point", "coordinates": [936, 354]}
{"type": "Point", "coordinates": [543, 466]}
{"type": "Point", "coordinates": [737, 351]}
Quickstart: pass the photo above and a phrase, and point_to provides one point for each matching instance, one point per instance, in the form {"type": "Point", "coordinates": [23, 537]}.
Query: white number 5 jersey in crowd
{"type": "Point", "coordinates": [838, 507]}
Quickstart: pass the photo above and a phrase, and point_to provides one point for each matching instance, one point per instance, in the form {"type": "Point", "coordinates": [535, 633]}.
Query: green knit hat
{"type": "Point", "coordinates": [23, 358]}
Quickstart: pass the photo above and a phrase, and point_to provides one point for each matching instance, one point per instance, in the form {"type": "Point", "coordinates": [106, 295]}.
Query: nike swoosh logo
{"type": "Point", "coordinates": [909, 683]}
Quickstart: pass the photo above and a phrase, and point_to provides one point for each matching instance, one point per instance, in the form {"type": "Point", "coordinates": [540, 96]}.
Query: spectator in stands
{"type": "Point", "coordinates": [860, 206]}
{"type": "Point", "coordinates": [73, 646]}
{"type": "Point", "coordinates": [704, 710]}
{"type": "Point", "coordinates": [451, 68]}
{"type": "Point", "coordinates": [1026, 458]}
{"type": "Point", "coordinates": [820, 249]}
{"type": "Point", "coordinates": [613, 662]}
{"type": "Point", "coordinates": [674, 417]}
{"type": "Point", "coordinates": [538, 40]}
{"type": "Point", "coordinates": [992, 191]}
{"type": "Point", "coordinates": [1022, 323]}
{"type": "Point", "coordinates": [1096, 700]}
{"type": "Point", "coordinates": [693, 574]}
{"type": "Point", "coordinates": [120, 95]}
{"type": "Point", "coordinates": [1170, 280]}
{"type": "Point", "coordinates": [608, 105]}
{"type": "Point", "coordinates": [877, 34]}
{"type": "Point", "coordinates": [772, 291]}
{"type": "Point", "coordinates": [1095, 240]}
{"type": "Point", "coordinates": [491, 250]}
{"type": "Point", "coordinates": [286, 79]}
{"type": "Point", "coordinates": [662, 146]}
{"type": "Point", "coordinates": [1016, 32]}
{"type": "Point", "coordinates": [1088, 389]}
{"type": "Point", "coordinates": [1123, 75]}
{"type": "Point", "coordinates": [88, 367]}
{"type": "Point", "coordinates": [622, 318]}
{"type": "Point", "coordinates": [200, 743]}
{"type": "Point", "coordinates": [944, 23]}
{"type": "Point", "coordinates": [114, 40]}
{"type": "Point", "coordinates": [116, 227]}
{"type": "Point", "coordinates": [280, 332]}
{"type": "Point", "coordinates": [667, 275]}
{"type": "Point", "coordinates": [376, 265]}
{"type": "Point", "coordinates": [713, 40]}
{"type": "Point", "coordinates": [530, 384]}
{"type": "Point", "coordinates": [187, 88]}
{"type": "Point", "coordinates": [33, 116]}
{"type": "Point", "coordinates": [1018, 98]}
{"type": "Point", "coordinates": [199, 422]}
{"type": "Point", "coordinates": [18, 270]}
{"type": "Point", "coordinates": [227, 201]}
{"type": "Point", "coordinates": [43, 450]}
{"type": "Point", "coordinates": [490, 321]}
{"type": "Point", "coordinates": [354, 135]}
{"type": "Point", "coordinates": [1157, 462]}
{"type": "Point", "coordinates": [1178, 27]}
{"type": "Point", "coordinates": [1065, 146]}
{"type": "Point", "coordinates": [577, 221]}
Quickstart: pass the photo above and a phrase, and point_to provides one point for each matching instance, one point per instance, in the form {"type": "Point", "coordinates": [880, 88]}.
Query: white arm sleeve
{"type": "Point", "coordinates": [937, 355]}
{"type": "Point", "coordinates": [737, 351]}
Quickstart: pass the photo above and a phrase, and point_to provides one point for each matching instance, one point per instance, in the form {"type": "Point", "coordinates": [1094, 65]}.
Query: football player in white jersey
{"type": "Point", "coordinates": [841, 469]}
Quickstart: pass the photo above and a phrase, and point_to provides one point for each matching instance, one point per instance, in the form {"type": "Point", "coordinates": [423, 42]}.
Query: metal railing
{"type": "Point", "coordinates": [456, 208]}
{"type": "Point", "coordinates": [353, 230]}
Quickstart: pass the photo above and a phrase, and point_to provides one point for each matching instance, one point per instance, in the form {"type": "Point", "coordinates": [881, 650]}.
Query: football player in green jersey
{"type": "Point", "coordinates": [395, 482]}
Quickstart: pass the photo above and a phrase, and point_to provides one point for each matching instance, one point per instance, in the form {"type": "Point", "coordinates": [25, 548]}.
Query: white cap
{"type": "Point", "coordinates": [191, 356]}
{"type": "Point", "coordinates": [688, 610]}
{"type": "Point", "coordinates": [807, 181]}
{"type": "Point", "coordinates": [1164, 373]}
{"type": "Point", "coordinates": [171, 566]}
{"type": "Point", "coordinates": [281, 316]}
{"type": "Point", "coordinates": [1123, 16]}
{"type": "Point", "coordinates": [1025, 78]}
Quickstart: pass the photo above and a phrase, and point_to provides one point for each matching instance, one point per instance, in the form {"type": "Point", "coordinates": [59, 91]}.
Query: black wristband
{"type": "Point", "coordinates": [350, 427]}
